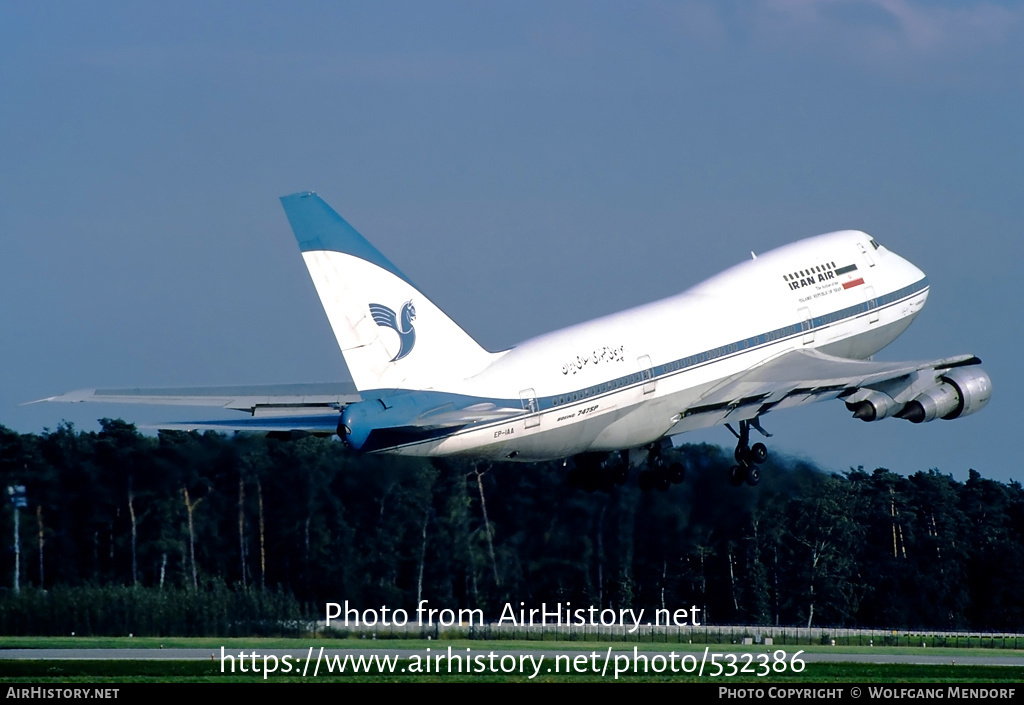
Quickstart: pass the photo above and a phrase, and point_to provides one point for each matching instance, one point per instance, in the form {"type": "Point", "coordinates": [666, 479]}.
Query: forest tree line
{"type": "Point", "coordinates": [288, 525]}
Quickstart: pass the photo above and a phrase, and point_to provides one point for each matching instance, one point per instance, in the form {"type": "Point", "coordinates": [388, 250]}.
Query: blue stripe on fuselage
{"type": "Point", "coordinates": [428, 399]}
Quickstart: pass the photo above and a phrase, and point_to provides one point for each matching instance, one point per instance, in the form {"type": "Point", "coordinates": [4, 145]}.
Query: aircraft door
{"type": "Point", "coordinates": [529, 399]}
{"type": "Point", "coordinates": [646, 373]}
{"type": "Point", "coordinates": [869, 298]}
{"type": "Point", "coordinates": [867, 255]}
{"type": "Point", "coordinates": [806, 325]}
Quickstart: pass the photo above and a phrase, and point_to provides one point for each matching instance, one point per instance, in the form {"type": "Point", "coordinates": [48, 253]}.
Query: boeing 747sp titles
{"type": "Point", "coordinates": [611, 393]}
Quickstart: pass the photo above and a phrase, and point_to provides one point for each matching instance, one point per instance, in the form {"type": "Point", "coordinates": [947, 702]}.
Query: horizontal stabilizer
{"type": "Point", "coordinates": [322, 424]}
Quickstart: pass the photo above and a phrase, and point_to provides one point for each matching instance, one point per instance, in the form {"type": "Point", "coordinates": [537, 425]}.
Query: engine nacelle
{"type": "Point", "coordinates": [963, 391]}
{"type": "Point", "coordinates": [874, 406]}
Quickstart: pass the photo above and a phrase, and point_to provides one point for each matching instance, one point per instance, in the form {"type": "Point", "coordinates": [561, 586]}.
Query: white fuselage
{"type": "Point", "coordinates": [790, 327]}
{"type": "Point", "coordinates": [627, 379]}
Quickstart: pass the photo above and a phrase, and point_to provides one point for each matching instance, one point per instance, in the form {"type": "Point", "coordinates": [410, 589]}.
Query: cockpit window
{"type": "Point", "coordinates": [874, 244]}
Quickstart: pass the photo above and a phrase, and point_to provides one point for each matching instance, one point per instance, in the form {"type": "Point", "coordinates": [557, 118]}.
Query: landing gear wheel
{"type": "Point", "coordinates": [759, 453]}
{"type": "Point", "coordinates": [747, 456]}
{"type": "Point", "coordinates": [737, 474]}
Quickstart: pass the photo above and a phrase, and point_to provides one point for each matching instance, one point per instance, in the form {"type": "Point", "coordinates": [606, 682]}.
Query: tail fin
{"type": "Point", "coordinates": [390, 334]}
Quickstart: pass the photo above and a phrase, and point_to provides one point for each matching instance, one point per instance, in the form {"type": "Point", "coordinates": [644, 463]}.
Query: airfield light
{"type": "Point", "coordinates": [18, 500]}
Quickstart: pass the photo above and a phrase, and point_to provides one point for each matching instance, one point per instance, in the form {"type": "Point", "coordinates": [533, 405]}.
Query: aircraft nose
{"type": "Point", "coordinates": [908, 271]}
{"type": "Point", "coordinates": [915, 272]}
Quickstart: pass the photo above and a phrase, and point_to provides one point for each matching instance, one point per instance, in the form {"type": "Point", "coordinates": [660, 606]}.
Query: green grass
{"type": "Point", "coordinates": [100, 672]}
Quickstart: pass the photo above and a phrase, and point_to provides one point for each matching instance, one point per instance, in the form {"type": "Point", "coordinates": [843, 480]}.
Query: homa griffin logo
{"type": "Point", "coordinates": [386, 318]}
{"type": "Point", "coordinates": [821, 274]}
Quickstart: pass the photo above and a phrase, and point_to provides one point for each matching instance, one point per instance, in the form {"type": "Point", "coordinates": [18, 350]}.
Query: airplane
{"type": "Point", "coordinates": [608, 394]}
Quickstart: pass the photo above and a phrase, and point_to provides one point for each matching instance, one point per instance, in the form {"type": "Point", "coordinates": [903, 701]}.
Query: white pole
{"type": "Point", "coordinates": [17, 552]}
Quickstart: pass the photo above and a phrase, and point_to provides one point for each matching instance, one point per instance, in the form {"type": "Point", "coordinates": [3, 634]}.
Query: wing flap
{"type": "Point", "coordinates": [810, 370]}
{"type": "Point", "coordinates": [802, 377]}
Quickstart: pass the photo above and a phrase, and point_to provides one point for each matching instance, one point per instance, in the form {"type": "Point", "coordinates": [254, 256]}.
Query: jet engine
{"type": "Point", "coordinates": [963, 391]}
{"type": "Point", "coordinates": [874, 406]}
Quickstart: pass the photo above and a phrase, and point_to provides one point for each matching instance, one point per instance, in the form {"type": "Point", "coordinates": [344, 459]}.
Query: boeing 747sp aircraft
{"type": "Point", "coordinates": [610, 393]}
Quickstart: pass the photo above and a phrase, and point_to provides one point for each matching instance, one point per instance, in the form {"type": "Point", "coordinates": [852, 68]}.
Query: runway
{"type": "Point", "coordinates": [199, 654]}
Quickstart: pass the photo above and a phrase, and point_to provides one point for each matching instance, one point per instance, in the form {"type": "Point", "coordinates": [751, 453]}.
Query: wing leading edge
{"type": "Point", "coordinates": [255, 399]}
{"type": "Point", "coordinates": [805, 376]}
{"type": "Point", "coordinates": [314, 408]}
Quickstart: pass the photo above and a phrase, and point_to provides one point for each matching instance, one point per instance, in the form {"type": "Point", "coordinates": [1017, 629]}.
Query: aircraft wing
{"type": "Point", "coordinates": [255, 399]}
{"type": "Point", "coordinates": [272, 407]}
{"type": "Point", "coordinates": [313, 408]}
{"type": "Point", "coordinates": [804, 376]}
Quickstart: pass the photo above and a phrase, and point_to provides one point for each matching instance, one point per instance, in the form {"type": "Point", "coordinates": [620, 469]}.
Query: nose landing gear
{"type": "Point", "coordinates": [747, 456]}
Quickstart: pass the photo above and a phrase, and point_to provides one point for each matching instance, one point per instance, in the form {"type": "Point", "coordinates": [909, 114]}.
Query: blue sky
{"type": "Point", "coordinates": [529, 165]}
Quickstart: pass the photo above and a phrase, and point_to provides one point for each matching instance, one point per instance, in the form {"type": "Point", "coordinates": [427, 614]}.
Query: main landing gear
{"type": "Point", "coordinates": [748, 457]}
{"type": "Point", "coordinates": [593, 472]}
{"type": "Point", "coordinates": [660, 473]}
{"type": "Point", "coordinates": [597, 471]}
